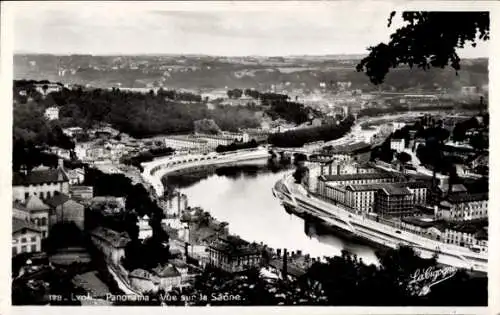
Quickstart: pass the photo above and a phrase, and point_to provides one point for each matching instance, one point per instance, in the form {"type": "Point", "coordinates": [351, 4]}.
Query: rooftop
{"type": "Point", "coordinates": [466, 197]}
{"type": "Point", "coordinates": [36, 177]}
{"type": "Point", "coordinates": [18, 225]}
{"type": "Point", "coordinates": [115, 238]}
{"type": "Point", "coordinates": [57, 200]}
{"type": "Point", "coordinates": [234, 246]}
{"type": "Point", "coordinates": [143, 274]}
{"type": "Point", "coordinates": [166, 271]}
{"type": "Point", "coordinates": [292, 269]}
{"type": "Point", "coordinates": [395, 190]}
{"type": "Point", "coordinates": [378, 175]}
{"type": "Point", "coordinates": [388, 186]}
{"type": "Point", "coordinates": [32, 204]}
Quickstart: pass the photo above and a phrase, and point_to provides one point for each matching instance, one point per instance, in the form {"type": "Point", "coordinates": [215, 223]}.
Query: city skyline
{"type": "Point", "coordinates": [222, 30]}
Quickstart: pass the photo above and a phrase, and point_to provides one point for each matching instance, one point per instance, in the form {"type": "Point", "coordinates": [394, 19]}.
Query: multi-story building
{"type": "Point", "coordinates": [42, 183]}
{"type": "Point", "coordinates": [169, 277]}
{"type": "Point", "coordinates": [352, 179]}
{"type": "Point", "coordinates": [145, 230]}
{"type": "Point", "coordinates": [26, 237]}
{"type": "Point", "coordinates": [81, 192]}
{"type": "Point", "coordinates": [398, 145]}
{"type": "Point", "coordinates": [76, 176]}
{"type": "Point", "coordinates": [52, 113]}
{"type": "Point", "coordinates": [34, 211]}
{"type": "Point", "coordinates": [362, 197]}
{"type": "Point", "coordinates": [63, 210]}
{"type": "Point", "coordinates": [213, 141]}
{"type": "Point", "coordinates": [111, 243]}
{"type": "Point", "coordinates": [463, 207]}
{"type": "Point", "coordinates": [233, 254]}
{"type": "Point", "coordinates": [181, 143]}
{"type": "Point", "coordinates": [143, 280]}
{"type": "Point", "coordinates": [319, 165]}
{"type": "Point", "coordinates": [394, 201]}
{"type": "Point", "coordinates": [467, 236]}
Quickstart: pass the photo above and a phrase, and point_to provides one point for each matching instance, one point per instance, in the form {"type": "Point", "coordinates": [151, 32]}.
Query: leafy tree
{"type": "Point", "coordinates": [237, 146]}
{"type": "Point", "coordinates": [207, 126]}
{"type": "Point", "coordinates": [404, 157]}
{"type": "Point", "coordinates": [427, 39]}
{"type": "Point", "coordinates": [478, 142]}
{"type": "Point", "coordinates": [300, 174]}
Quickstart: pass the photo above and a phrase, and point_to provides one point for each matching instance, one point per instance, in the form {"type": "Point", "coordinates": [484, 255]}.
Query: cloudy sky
{"type": "Point", "coordinates": [224, 28]}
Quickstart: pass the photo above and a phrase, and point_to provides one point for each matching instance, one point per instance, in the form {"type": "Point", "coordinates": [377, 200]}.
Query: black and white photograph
{"type": "Point", "coordinates": [273, 154]}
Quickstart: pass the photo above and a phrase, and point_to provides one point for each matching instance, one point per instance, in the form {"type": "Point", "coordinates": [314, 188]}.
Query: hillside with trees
{"type": "Point", "coordinates": [137, 114]}
{"type": "Point", "coordinates": [299, 137]}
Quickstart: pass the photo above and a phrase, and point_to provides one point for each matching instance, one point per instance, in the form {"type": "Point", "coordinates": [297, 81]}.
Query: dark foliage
{"type": "Point", "coordinates": [237, 146]}
{"type": "Point", "coordinates": [146, 156]}
{"type": "Point", "coordinates": [428, 39]}
{"type": "Point", "coordinates": [137, 114]}
{"type": "Point", "coordinates": [297, 138]}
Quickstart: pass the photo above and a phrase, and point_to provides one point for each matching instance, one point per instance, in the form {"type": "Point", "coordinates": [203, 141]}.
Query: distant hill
{"type": "Point", "coordinates": [212, 72]}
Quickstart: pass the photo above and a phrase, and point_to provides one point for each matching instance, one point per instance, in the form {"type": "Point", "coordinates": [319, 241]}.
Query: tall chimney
{"type": "Point", "coordinates": [285, 267]}
{"type": "Point", "coordinates": [60, 163]}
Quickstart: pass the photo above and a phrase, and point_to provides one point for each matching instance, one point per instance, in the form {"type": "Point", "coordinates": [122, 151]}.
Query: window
{"type": "Point", "coordinates": [14, 250]}
{"type": "Point", "coordinates": [33, 239]}
{"type": "Point", "coordinates": [24, 249]}
{"type": "Point", "coordinates": [23, 240]}
{"type": "Point", "coordinates": [33, 248]}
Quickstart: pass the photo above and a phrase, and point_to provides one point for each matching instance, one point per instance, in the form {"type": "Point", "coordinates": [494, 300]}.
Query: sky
{"type": "Point", "coordinates": [223, 28]}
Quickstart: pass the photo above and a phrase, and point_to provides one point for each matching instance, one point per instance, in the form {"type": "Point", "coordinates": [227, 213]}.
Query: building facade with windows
{"type": "Point", "coordinates": [26, 237]}
{"type": "Point", "coordinates": [34, 211]}
{"type": "Point", "coordinates": [463, 207]}
{"type": "Point", "coordinates": [233, 254]}
{"type": "Point", "coordinates": [361, 197]}
{"type": "Point", "coordinates": [52, 113]}
{"type": "Point", "coordinates": [398, 145]}
{"type": "Point", "coordinates": [42, 183]}
{"type": "Point", "coordinates": [394, 201]}
{"type": "Point", "coordinates": [353, 179]}
{"type": "Point", "coordinates": [111, 243]}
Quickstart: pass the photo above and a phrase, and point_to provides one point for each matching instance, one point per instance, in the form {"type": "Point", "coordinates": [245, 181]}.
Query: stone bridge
{"type": "Point", "coordinates": [153, 171]}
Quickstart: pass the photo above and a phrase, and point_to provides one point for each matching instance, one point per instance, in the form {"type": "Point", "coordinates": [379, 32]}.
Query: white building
{"type": "Point", "coordinates": [26, 238]}
{"type": "Point", "coordinates": [463, 207]}
{"type": "Point", "coordinates": [145, 230]}
{"type": "Point", "coordinates": [180, 143]}
{"type": "Point", "coordinates": [45, 89]}
{"type": "Point", "coordinates": [39, 182]}
{"type": "Point", "coordinates": [398, 145]}
{"type": "Point", "coordinates": [52, 113]}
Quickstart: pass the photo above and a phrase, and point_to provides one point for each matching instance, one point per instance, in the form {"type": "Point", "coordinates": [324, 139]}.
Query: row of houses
{"type": "Point", "coordinates": [473, 235]}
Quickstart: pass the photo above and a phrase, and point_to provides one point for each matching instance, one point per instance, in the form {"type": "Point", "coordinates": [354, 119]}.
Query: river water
{"type": "Point", "coordinates": [241, 195]}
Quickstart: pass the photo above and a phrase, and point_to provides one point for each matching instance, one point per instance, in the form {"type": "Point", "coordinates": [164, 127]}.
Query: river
{"type": "Point", "coordinates": [241, 195]}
